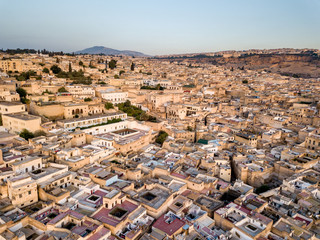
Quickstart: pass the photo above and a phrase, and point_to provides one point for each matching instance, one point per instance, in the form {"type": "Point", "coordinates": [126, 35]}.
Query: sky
{"type": "Point", "coordinates": [158, 27]}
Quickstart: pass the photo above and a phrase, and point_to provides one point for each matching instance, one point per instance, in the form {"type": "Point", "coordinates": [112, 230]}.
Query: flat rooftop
{"type": "Point", "coordinates": [154, 198]}
{"type": "Point", "coordinates": [91, 117]}
{"type": "Point", "coordinates": [209, 203]}
{"type": "Point", "coordinates": [22, 116]}
{"type": "Point", "coordinates": [11, 104]}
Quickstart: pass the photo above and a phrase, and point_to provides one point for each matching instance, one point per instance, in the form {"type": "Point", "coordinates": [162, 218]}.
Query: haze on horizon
{"type": "Point", "coordinates": [160, 27]}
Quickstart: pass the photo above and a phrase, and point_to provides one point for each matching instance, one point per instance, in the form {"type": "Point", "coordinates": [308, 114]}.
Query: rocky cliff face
{"type": "Point", "coordinates": [268, 59]}
{"type": "Point", "coordinates": [298, 65]}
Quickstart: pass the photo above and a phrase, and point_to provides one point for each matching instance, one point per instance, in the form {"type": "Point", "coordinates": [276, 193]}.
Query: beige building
{"type": "Point", "coordinates": [313, 140]}
{"type": "Point", "coordinates": [29, 164]}
{"type": "Point", "coordinates": [22, 190]}
{"type": "Point", "coordinates": [54, 110]}
{"type": "Point", "coordinates": [11, 107]}
{"type": "Point", "coordinates": [81, 91]}
{"type": "Point", "coordinates": [75, 109]}
{"type": "Point", "coordinates": [16, 122]}
{"type": "Point", "coordinates": [158, 100]}
{"type": "Point", "coordinates": [9, 96]}
{"type": "Point", "coordinates": [248, 139]}
{"type": "Point", "coordinates": [11, 65]}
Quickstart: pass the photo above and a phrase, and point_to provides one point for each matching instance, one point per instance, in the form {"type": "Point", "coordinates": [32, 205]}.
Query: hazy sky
{"type": "Point", "coordinates": [159, 26]}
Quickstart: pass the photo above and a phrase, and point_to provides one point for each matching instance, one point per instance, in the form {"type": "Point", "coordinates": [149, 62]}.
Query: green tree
{"type": "Point", "coordinates": [135, 112]}
{"type": "Point", "coordinates": [144, 117]}
{"type": "Point", "coordinates": [55, 69]}
{"type": "Point", "coordinates": [87, 99]}
{"type": "Point", "coordinates": [262, 188]}
{"type": "Point", "coordinates": [162, 136]}
{"type": "Point", "coordinates": [26, 134]}
{"type": "Point", "coordinates": [22, 93]}
{"type": "Point", "coordinates": [45, 70]}
{"type": "Point", "coordinates": [25, 101]}
{"type": "Point", "coordinates": [127, 103]}
{"type": "Point", "coordinates": [116, 76]}
{"type": "Point", "coordinates": [26, 75]}
{"type": "Point", "coordinates": [46, 91]}
{"type": "Point", "coordinates": [132, 66]}
{"type": "Point", "coordinates": [108, 105]}
{"type": "Point", "coordinates": [80, 63]}
{"type": "Point", "coordinates": [62, 89]}
{"type": "Point", "coordinates": [121, 72]}
{"type": "Point", "coordinates": [70, 67]}
{"type": "Point", "coordinates": [39, 133]}
{"type": "Point", "coordinates": [112, 64]}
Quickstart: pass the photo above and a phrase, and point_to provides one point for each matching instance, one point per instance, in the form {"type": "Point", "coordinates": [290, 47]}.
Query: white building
{"type": "Point", "coordinates": [81, 91]}
{"type": "Point", "coordinates": [94, 120]}
{"type": "Point", "coordinates": [114, 96]}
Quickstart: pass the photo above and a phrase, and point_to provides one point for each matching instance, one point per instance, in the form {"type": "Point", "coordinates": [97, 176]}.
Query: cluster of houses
{"type": "Point", "coordinates": [156, 149]}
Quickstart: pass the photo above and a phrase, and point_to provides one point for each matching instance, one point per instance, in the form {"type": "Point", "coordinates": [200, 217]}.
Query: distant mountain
{"type": "Point", "coordinates": [110, 51]}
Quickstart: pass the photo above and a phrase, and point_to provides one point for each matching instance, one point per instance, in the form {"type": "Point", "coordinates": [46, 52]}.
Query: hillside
{"type": "Point", "coordinates": [305, 64]}
{"type": "Point", "coordinates": [110, 51]}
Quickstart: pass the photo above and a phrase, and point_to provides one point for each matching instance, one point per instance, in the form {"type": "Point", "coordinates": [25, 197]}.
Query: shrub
{"type": "Point", "coordinates": [55, 69]}
{"type": "Point", "coordinates": [39, 133]}
{"type": "Point", "coordinates": [162, 136]}
{"type": "Point", "coordinates": [108, 105]}
{"type": "Point", "coordinates": [45, 70]}
{"type": "Point", "coordinates": [62, 89]}
{"type": "Point", "coordinates": [26, 134]}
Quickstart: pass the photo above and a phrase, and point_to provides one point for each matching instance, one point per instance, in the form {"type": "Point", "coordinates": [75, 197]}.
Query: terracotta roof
{"type": "Point", "coordinates": [168, 228]}
{"type": "Point", "coordinates": [98, 235]}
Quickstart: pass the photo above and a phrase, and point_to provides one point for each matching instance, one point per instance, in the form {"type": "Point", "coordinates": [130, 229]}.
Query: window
{"type": "Point", "coordinates": [29, 192]}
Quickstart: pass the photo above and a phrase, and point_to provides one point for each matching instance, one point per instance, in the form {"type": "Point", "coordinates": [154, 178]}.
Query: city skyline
{"type": "Point", "coordinates": [160, 28]}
